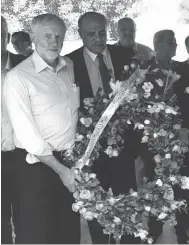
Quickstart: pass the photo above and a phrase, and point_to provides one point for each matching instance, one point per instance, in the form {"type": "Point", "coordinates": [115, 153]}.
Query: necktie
{"type": "Point", "coordinates": [104, 73]}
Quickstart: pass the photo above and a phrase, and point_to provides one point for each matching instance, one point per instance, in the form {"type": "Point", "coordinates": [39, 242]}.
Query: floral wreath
{"type": "Point", "coordinates": [144, 98]}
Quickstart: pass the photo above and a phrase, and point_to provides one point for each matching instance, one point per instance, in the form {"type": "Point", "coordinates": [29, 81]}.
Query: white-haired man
{"type": "Point", "coordinates": [42, 102]}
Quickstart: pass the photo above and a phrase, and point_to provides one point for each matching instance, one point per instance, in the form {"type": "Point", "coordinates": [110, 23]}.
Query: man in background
{"type": "Point", "coordinates": [126, 32]}
{"type": "Point", "coordinates": [182, 226]}
{"type": "Point", "coordinates": [8, 160]}
{"type": "Point", "coordinates": [22, 43]}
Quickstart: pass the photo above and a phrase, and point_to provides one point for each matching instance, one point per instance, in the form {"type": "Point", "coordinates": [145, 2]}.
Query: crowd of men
{"type": "Point", "coordinates": [41, 94]}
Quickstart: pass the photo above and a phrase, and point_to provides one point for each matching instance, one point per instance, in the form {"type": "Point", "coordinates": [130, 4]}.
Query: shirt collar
{"type": "Point", "coordinates": [8, 65]}
{"type": "Point", "coordinates": [41, 65]}
{"type": "Point", "coordinates": [93, 56]}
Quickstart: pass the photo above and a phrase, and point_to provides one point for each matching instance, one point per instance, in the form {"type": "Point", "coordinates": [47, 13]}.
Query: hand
{"type": "Point", "coordinates": [68, 178]}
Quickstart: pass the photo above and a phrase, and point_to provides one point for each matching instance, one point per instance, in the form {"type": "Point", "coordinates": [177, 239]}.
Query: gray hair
{"type": "Point", "coordinates": [160, 36]}
{"type": "Point", "coordinates": [37, 20]}
{"type": "Point", "coordinates": [89, 15]}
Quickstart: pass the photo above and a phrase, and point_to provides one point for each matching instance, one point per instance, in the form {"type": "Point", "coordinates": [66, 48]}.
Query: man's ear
{"type": "Point", "coordinates": [80, 33]}
{"type": "Point", "coordinates": [32, 37]}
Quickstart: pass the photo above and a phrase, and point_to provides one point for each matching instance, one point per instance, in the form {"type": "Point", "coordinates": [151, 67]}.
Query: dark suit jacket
{"type": "Point", "coordinates": [117, 172]}
{"type": "Point", "coordinates": [16, 59]}
{"type": "Point", "coordinates": [119, 58]}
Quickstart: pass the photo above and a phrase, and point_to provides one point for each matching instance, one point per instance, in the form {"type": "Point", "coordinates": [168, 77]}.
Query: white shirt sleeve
{"type": "Point", "coordinates": [19, 109]}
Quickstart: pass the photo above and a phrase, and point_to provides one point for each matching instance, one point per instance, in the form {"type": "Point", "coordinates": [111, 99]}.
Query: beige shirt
{"type": "Point", "coordinates": [7, 143]}
{"type": "Point", "coordinates": [42, 106]}
{"type": "Point", "coordinates": [92, 64]}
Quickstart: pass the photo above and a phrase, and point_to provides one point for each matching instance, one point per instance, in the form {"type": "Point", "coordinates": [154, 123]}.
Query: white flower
{"type": "Point", "coordinates": [141, 233]}
{"type": "Point", "coordinates": [185, 183]}
{"type": "Point", "coordinates": [144, 139]}
{"type": "Point", "coordinates": [162, 216]}
{"type": "Point", "coordinates": [77, 206]}
{"type": "Point", "coordinates": [92, 176]}
{"type": "Point", "coordinates": [177, 126]}
{"type": "Point", "coordinates": [134, 194]}
{"type": "Point", "coordinates": [85, 194]}
{"type": "Point", "coordinates": [105, 100]}
{"type": "Point", "coordinates": [157, 158]}
{"type": "Point", "coordinates": [115, 153]}
{"type": "Point", "coordinates": [88, 215]}
{"type": "Point", "coordinates": [140, 126]}
{"type": "Point", "coordinates": [128, 122]}
{"type": "Point", "coordinates": [133, 65]}
{"type": "Point", "coordinates": [172, 179]}
{"type": "Point", "coordinates": [112, 200]}
{"type": "Point", "coordinates": [171, 135]}
{"type": "Point", "coordinates": [147, 86]}
{"type": "Point", "coordinates": [109, 151]}
{"type": "Point", "coordinates": [79, 137]}
{"type": "Point", "coordinates": [88, 101]}
{"type": "Point", "coordinates": [150, 240]}
{"type": "Point", "coordinates": [174, 206]}
{"type": "Point", "coordinates": [176, 148]}
{"type": "Point", "coordinates": [82, 211]}
{"type": "Point", "coordinates": [168, 156]}
{"type": "Point", "coordinates": [147, 208]}
{"type": "Point", "coordinates": [187, 90]}
{"type": "Point", "coordinates": [115, 86]}
{"type": "Point", "coordinates": [162, 132]}
{"type": "Point", "coordinates": [146, 121]}
{"type": "Point", "coordinates": [155, 135]}
{"type": "Point", "coordinates": [159, 182]}
{"type": "Point", "coordinates": [170, 111]}
{"type": "Point", "coordinates": [126, 67]}
{"type": "Point", "coordinates": [86, 121]}
{"type": "Point", "coordinates": [117, 220]}
{"type": "Point", "coordinates": [149, 106]}
{"type": "Point", "coordinates": [147, 95]}
{"type": "Point", "coordinates": [99, 206]}
{"type": "Point", "coordinates": [88, 136]}
{"type": "Point", "coordinates": [160, 82]}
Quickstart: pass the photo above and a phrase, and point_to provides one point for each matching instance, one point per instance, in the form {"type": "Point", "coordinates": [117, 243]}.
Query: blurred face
{"type": "Point", "coordinates": [167, 49]}
{"type": "Point", "coordinates": [93, 33]}
{"type": "Point", "coordinates": [126, 32]}
{"type": "Point", "coordinates": [4, 39]}
{"type": "Point", "coordinates": [48, 39]}
{"type": "Point", "coordinates": [22, 47]}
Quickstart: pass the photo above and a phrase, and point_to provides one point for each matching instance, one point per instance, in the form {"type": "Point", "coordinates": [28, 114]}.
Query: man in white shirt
{"type": "Point", "coordinates": [126, 31]}
{"type": "Point", "coordinates": [42, 102]}
{"type": "Point", "coordinates": [8, 61]}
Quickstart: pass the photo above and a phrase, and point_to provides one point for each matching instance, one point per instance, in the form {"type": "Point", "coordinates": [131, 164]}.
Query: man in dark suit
{"type": "Point", "coordinates": [181, 90]}
{"type": "Point", "coordinates": [8, 169]}
{"type": "Point", "coordinates": [165, 48]}
{"type": "Point", "coordinates": [94, 65]}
